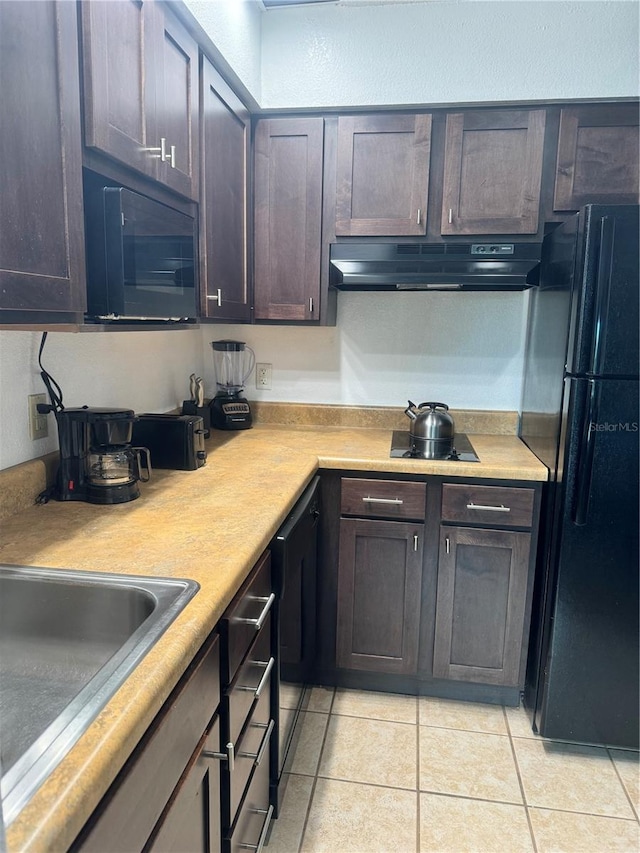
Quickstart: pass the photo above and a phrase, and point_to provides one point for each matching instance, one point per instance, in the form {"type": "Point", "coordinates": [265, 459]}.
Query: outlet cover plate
{"type": "Point", "coordinates": [38, 425]}
{"type": "Point", "coordinates": [263, 376]}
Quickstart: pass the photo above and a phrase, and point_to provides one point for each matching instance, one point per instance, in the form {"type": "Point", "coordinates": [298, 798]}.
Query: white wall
{"type": "Point", "coordinates": [464, 348]}
{"type": "Point", "coordinates": [443, 51]}
{"type": "Point", "coordinates": [234, 27]}
{"type": "Point", "coordinates": [143, 371]}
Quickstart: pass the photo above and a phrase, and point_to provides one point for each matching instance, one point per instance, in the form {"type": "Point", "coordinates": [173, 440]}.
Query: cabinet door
{"type": "Point", "coordinates": [41, 221]}
{"type": "Point", "coordinates": [597, 156]}
{"type": "Point", "coordinates": [379, 582]}
{"type": "Point", "coordinates": [177, 106]}
{"type": "Point", "coordinates": [119, 39]}
{"type": "Point", "coordinates": [481, 605]}
{"type": "Point", "coordinates": [223, 204]}
{"type": "Point", "coordinates": [191, 820]}
{"type": "Point", "coordinates": [492, 172]}
{"type": "Point", "coordinates": [288, 218]}
{"type": "Point", "coordinates": [382, 178]}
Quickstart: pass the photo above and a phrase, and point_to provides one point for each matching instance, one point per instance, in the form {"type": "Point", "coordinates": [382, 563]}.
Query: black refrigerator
{"type": "Point", "coordinates": [580, 417]}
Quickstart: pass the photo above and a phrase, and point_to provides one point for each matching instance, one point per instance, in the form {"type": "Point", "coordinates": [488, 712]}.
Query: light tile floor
{"type": "Point", "coordinates": [382, 773]}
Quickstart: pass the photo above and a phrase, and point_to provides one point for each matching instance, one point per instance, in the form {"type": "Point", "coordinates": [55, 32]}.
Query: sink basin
{"type": "Point", "coordinates": [68, 640]}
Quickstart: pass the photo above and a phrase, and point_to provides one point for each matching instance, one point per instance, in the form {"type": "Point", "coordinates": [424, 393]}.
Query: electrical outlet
{"type": "Point", "coordinates": [38, 425]}
{"type": "Point", "coordinates": [263, 376]}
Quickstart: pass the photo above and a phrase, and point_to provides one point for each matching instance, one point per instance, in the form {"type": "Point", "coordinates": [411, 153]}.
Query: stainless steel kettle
{"type": "Point", "coordinates": [430, 421]}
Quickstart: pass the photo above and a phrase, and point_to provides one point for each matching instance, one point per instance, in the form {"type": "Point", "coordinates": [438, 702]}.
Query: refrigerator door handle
{"type": "Point", "coordinates": [603, 287]}
{"type": "Point", "coordinates": [585, 458]}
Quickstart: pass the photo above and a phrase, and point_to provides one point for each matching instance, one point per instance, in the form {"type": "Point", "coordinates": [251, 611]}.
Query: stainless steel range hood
{"type": "Point", "coordinates": [432, 266]}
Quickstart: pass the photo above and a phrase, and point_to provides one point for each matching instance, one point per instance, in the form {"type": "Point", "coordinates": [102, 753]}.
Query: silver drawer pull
{"type": "Point", "coordinates": [265, 676]}
{"type": "Point", "coordinates": [260, 620]}
{"type": "Point", "coordinates": [501, 508]}
{"type": "Point", "coordinates": [229, 756]}
{"type": "Point", "coordinates": [217, 297]}
{"type": "Point", "coordinates": [263, 834]}
{"type": "Point", "coordinates": [264, 743]}
{"type": "Point", "coordinates": [394, 501]}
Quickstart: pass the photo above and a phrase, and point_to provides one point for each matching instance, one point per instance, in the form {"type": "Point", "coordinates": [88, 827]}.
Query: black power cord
{"type": "Point", "coordinates": [55, 391]}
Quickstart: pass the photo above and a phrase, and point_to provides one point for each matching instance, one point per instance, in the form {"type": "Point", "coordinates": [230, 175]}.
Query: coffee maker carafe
{"type": "Point", "coordinates": [97, 462]}
{"type": "Point", "coordinates": [233, 361]}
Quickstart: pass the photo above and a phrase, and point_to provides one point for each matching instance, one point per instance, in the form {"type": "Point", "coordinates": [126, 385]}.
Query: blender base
{"type": "Point", "coordinates": [230, 411]}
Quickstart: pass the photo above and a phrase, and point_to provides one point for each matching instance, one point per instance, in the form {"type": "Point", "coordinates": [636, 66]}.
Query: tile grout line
{"type": "Point", "coordinates": [315, 775]}
{"type": "Point", "coordinates": [624, 787]}
{"type": "Point", "coordinates": [520, 782]}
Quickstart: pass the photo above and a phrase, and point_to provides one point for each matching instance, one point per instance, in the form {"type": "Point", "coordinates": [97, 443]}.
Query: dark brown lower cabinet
{"type": "Point", "coordinates": [191, 820]}
{"type": "Point", "coordinates": [379, 582]}
{"type": "Point", "coordinates": [167, 795]}
{"type": "Point", "coordinates": [481, 608]}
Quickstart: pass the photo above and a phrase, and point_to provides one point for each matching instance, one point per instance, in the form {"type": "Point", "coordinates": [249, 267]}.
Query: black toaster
{"type": "Point", "coordinates": [174, 441]}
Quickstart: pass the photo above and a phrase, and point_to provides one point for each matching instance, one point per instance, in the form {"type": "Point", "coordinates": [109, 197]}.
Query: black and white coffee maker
{"type": "Point", "coordinates": [233, 361]}
{"type": "Point", "coordinates": [97, 462]}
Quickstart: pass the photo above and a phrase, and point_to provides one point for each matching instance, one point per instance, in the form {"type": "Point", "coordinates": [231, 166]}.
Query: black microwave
{"type": "Point", "coordinates": [141, 258]}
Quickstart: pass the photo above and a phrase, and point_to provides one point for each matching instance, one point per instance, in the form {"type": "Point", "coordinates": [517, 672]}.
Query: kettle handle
{"type": "Point", "coordinates": [434, 406]}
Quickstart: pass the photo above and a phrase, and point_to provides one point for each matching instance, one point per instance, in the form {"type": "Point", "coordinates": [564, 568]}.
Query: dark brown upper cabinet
{"type": "Point", "coordinates": [41, 220]}
{"type": "Point", "coordinates": [288, 218]}
{"type": "Point", "coordinates": [382, 178]}
{"type": "Point", "coordinates": [223, 205]}
{"type": "Point", "coordinates": [140, 72]}
{"type": "Point", "coordinates": [492, 172]}
{"type": "Point", "coordinates": [597, 156]}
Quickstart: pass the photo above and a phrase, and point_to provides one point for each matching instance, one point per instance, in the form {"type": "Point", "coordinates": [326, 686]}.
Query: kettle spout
{"type": "Point", "coordinates": [410, 411]}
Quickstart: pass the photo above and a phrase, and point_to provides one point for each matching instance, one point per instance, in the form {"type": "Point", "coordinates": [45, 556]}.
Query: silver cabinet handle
{"type": "Point", "coordinates": [450, 215]}
{"type": "Point", "coordinates": [160, 152]}
{"type": "Point", "coordinates": [418, 217]}
{"type": "Point", "coordinates": [265, 677]}
{"type": "Point", "coordinates": [264, 743]}
{"type": "Point", "coordinates": [394, 501]}
{"type": "Point", "coordinates": [415, 543]}
{"type": "Point", "coordinates": [171, 157]}
{"type": "Point", "coordinates": [216, 297]}
{"type": "Point", "coordinates": [501, 508]}
{"type": "Point", "coordinates": [311, 305]}
{"type": "Point", "coordinates": [258, 623]}
{"type": "Point", "coordinates": [229, 756]}
{"type": "Point", "coordinates": [447, 545]}
{"type": "Point", "coordinates": [263, 833]}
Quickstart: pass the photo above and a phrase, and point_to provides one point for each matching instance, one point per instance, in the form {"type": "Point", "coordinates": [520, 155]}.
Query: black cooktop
{"type": "Point", "coordinates": [462, 450]}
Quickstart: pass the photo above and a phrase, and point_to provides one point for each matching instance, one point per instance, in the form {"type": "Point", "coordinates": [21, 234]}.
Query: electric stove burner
{"type": "Point", "coordinates": [461, 451]}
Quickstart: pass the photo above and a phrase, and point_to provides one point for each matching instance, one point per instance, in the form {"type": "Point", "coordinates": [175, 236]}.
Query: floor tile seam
{"type": "Point", "coordinates": [315, 778]}
{"type": "Point", "coordinates": [581, 813]}
{"type": "Point", "coordinates": [368, 784]}
{"type": "Point", "coordinates": [370, 719]}
{"type": "Point", "coordinates": [545, 740]}
{"type": "Point", "coordinates": [624, 787]}
{"type": "Point", "coordinates": [521, 784]}
{"type": "Point", "coordinates": [470, 731]}
{"type": "Point", "coordinates": [453, 796]}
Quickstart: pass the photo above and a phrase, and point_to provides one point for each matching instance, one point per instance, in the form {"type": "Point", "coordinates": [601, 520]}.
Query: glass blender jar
{"type": "Point", "coordinates": [233, 361]}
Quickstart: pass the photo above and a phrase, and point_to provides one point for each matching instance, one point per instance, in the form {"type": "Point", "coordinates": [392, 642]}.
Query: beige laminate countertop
{"type": "Point", "coordinates": [210, 525]}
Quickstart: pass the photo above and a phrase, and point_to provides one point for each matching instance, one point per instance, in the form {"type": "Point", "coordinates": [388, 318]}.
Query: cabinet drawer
{"type": "Point", "coordinates": [383, 498]}
{"type": "Point", "coordinates": [251, 749]}
{"type": "Point", "coordinates": [251, 681]}
{"type": "Point", "coordinates": [245, 616]}
{"type": "Point", "coordinates": [253, 820]}
{"type": "Point", "coordinates": [494, 505]}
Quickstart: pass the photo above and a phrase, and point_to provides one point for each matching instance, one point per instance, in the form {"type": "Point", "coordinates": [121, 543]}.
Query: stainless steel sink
{"type": "Point", "coordinates": [68, 640]}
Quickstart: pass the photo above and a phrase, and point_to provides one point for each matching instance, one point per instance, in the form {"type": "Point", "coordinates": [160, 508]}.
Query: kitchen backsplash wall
{"type": "Point", "coordinates": [367, 52]}
{"type": "Point", "coordinates": [144, 371]}
{"type": "Point", "coordinates": [465, 349]}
